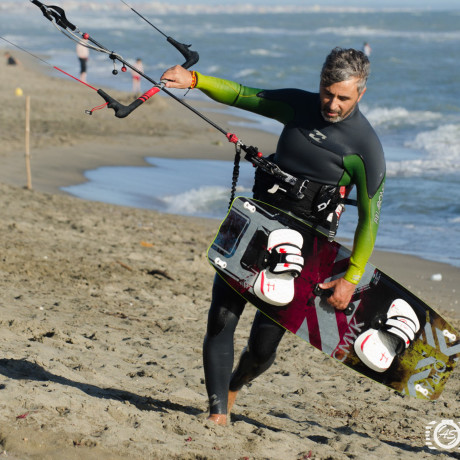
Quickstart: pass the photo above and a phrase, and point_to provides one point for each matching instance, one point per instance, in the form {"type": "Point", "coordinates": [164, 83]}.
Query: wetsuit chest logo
{"type": "Point", "coordinates": [317, 136]}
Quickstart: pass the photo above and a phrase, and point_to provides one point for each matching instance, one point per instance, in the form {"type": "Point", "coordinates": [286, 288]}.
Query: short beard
{"type": "Point", "coordinates": [336, 119]}
{"type": "Point", "coordinates": [339, 117]}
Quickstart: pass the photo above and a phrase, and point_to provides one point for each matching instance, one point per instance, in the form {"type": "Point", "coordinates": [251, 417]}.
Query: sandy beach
{"type": "Point", "coordinates": [103, 308]}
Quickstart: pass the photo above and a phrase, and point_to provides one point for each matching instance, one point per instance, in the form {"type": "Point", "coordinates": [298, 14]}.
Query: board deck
{"type": "Point", "coordinates": [420, 371]}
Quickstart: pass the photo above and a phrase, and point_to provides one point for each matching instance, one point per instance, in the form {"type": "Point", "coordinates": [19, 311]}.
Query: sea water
{"type": "Point", "coordinates": [413, 101]}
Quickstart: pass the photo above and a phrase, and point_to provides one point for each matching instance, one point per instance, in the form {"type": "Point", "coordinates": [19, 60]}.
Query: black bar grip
{"type": "Point", "coordinates": [122, 111]}
{"type": "Point", "coordinates": [55, 12]}
{"type": "Point", "coordinates": [320, 292]}
{"type": "Point", "coordinates": [191, 57]}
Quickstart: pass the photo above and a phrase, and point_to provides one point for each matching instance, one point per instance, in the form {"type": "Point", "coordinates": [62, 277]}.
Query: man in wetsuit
{"type": "Point", "coordinates": [325, 141]}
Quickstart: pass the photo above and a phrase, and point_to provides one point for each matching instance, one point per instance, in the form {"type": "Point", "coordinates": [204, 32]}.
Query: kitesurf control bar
{"type": "Point", "coordinates": [55, 13]}
{"type": "Point", "coordinates": [57, 16]}
{"type": "Point", "coordinates": [122, 111]}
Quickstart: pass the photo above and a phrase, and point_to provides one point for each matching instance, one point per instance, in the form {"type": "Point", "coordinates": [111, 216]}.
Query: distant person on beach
{"type": "Point", "coordinates": [83, 56]}
{"type": "Point", "coordinates": [327, 143]}
{"type": "Point", "coordinates": [10, 60]}
{"type": "Point", "coordinates": [367, 50]}
{"type": "Point", "coordinates": [136, 77]}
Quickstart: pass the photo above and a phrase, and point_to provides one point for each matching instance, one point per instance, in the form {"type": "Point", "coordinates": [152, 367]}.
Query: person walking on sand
{"type": "Point", "coordinates": [327, 141]}
{"type": "Point", "coordinates": [83, 56]}
{"type": "Point", "coordinates": [136, 76]}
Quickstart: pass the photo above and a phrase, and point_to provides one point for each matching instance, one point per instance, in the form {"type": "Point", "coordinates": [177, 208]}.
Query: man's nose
{"type": "Point", "coordinates": [334, 104]}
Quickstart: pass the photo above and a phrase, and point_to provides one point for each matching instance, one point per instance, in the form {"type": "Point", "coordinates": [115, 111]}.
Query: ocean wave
{"type": "Point", "coordinates": [441, 143]}
{"type": "Point", "coordinates": [362, 32]}
{"type": "Point", "coordinates": [381, 116]}
{"type": "Point", "coordinates": [206, 201]}
{"type": "Point", "coordinates": [265, 53]}
{"type": "Point", "coordinates": [247, 72]}
{"type": "Point", "coordinates": [255, 30]}
{"type": "Point", "coordinates": [410, 168]}
{"type": "Point", "coordinates": [206, 8]}
{"type": "Point", "coordinates": [96, 22]}
{"type": "Point", "coordinates": [367, 33]}
{"type": "Point", "coordinates": [442, 147]}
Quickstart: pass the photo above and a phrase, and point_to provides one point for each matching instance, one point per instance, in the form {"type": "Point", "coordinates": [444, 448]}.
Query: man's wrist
{"type": "Point", "coordinates": [194, 79]}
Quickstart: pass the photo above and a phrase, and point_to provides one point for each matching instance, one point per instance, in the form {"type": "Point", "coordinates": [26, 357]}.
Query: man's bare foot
{"type": "Point", "coordinates": [218, 419]}
{"type": "Point", "coordinates": [231, 400]}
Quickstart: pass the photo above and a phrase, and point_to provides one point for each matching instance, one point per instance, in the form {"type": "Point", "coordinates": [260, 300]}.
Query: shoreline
{"type": "Point", "coordinates": [181, 135]}
{"type": "Point", "coordinates": [103, 311]}
{"type": "Point", "coordinates": [411, 271]}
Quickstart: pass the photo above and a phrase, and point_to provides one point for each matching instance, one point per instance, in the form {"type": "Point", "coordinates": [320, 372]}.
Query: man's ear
{"type": "Point", "coordinates": [362, 94]}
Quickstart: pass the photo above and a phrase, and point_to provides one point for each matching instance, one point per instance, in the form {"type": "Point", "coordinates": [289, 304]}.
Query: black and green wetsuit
{"type": "Point", "coordinates": [344, 153]}
{"type": "Point", "coordinates": [339, 154]}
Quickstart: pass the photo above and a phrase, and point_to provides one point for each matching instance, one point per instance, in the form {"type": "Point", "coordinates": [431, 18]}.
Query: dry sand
{"type": "Point", "coordinates": [103, 310]}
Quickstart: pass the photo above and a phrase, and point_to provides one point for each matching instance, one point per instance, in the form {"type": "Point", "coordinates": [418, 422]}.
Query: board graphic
{"type": "Point", "coordinates": [420, 370]}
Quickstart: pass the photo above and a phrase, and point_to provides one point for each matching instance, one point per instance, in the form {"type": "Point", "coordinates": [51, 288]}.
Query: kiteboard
{"type": "Point", "coordinates": [276, 261]}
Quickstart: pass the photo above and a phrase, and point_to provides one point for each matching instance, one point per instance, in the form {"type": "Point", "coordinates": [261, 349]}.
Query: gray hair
{"type": "Point", "coordinates": [342, 64]}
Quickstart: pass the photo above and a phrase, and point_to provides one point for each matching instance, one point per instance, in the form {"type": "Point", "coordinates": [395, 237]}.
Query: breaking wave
{"type": "Point", "coordinates": [442, 153]}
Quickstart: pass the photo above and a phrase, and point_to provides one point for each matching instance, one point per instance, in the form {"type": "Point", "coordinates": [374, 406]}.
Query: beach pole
{"type": "Point", "coordinates": [28, 170]}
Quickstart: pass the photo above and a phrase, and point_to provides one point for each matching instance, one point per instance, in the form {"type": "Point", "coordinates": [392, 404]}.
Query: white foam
{"type": "Point", "coordinates": [253, 30]}
{"type": "Point", "coordinates": [246, 72]}
{"type": "Point", "coordinates": [203, 201]}
{"type": "Point", "coordinates": [443, 141]}
{"type": "Point", "coordinates": [366, 32]}
{"type": "Point", "coordinates": [442, 147]}
{"type": "Point", "coordinates": [381, 116]}
{"type": "Point", "coordinates": [212, 8]}
{"type": "Point", "coordinates": [265, 53]}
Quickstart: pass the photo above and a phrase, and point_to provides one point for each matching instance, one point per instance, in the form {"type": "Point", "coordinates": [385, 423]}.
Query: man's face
{"type": "Point", "coordinates": [339, 99]}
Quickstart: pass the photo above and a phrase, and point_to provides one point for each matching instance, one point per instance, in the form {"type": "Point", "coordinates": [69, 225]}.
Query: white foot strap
{"type": "Point", "coordinates": [275, 285]}
{"type": "Point", "coordinates": [402, 321]}
{"type": "Point", "coordinates": [285, 251]}
{"type": "Point", "coordinates": [378, 348]}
